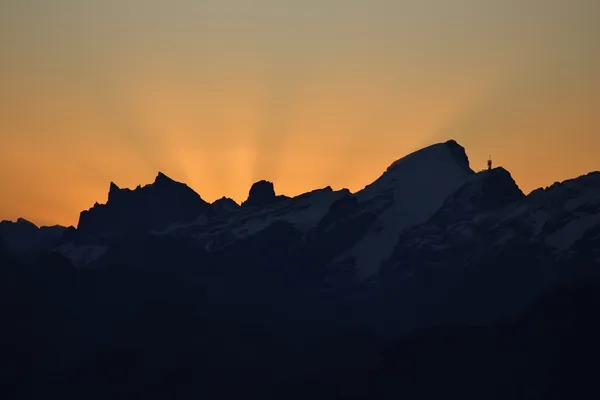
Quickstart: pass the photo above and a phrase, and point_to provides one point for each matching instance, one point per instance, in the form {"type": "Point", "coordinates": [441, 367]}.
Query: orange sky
{"type": "Point", "coordinates": [221, 94]}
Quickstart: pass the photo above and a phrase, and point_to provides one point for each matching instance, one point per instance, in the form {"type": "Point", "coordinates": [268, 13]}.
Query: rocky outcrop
{"type": "Point", "coordinates": [152, 207]}
{"type": "Point", "coordinates": [262, 193]}
{"type": "Point", "coordinates": [485, 191]}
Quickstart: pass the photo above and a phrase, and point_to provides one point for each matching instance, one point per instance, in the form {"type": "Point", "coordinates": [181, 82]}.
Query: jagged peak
{"type": "Point", "coordinates": [458, 152]}
{"type": "Point", "coordinates": [113, 191]}
{"type": "Point", "coordinates": [162, 178]}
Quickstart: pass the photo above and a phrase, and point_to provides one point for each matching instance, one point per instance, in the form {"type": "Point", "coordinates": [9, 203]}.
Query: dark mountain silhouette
{"type": "Point", "coordinates": [24, 235]}
{"type": "Point", "coordinates": [262, 193]}
{"type": "Point", "coordinates": [151, 207]}
{"type": "Point", "coordinates": [485, 191]}
{"type": "Point", "coordinates": [225, 206]}
{"type": "Point", "coordinates": [432, 281]}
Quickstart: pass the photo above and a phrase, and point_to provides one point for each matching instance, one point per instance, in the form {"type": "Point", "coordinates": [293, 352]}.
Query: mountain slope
{"type": "Point", "coordinates": [407, 194]}
{"type": "Point", "coordinates": [180, 298]}
{"type": "Point", "coordinates": [418, 244]}
{"type": "Point", "coordinates": [485, 191]}
{"type": "Point", "coordinates": [153, 207]}
{"type": "Point", "coordinates": [24, 235]}
{"type": "Point", "coordinates": [475, 263]}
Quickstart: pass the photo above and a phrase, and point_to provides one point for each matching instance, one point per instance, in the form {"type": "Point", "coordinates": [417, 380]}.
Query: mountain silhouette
{"type": "Point", "coordinates": [225, 205]}
{"type": "Point", "coordinates": [485, 191]}
{"type": "Point", "coordinates": [152, 207]}
{"type": "Point", "coordinates": [25, 235]}
{"type": "Point", "coordinates": [262, 193]}
{"type": "Point", "coordinates": [432, 280]}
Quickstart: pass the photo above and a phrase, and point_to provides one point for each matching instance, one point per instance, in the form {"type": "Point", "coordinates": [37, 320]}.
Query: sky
{"type": "Point", "coordinates": [305, 93]}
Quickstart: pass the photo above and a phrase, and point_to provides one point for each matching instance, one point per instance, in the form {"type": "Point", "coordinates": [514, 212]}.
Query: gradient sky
{"type": "Point", "coordinates": [306, 93]}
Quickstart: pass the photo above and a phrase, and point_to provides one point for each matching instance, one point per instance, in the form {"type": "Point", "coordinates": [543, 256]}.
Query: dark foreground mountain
{"type": "Point", "coordinates": [152, 207]}
{"type": "Point", "coordinates": [433, 280]}
{"type": "Point", "coordinates": [149, 335]}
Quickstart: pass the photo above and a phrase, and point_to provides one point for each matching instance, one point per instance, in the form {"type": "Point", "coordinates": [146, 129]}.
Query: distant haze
{"type": "Point", "coordinates": [222, 93]}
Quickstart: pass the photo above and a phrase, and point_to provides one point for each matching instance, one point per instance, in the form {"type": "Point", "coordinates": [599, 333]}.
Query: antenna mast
{"type": "Point", "coordinates": [489, 163]}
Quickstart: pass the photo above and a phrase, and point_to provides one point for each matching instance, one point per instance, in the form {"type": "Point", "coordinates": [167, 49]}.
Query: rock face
{"type": "Point", "coordinates": [262, 193]}
{"type": "Point", "coordinates": [485, 191]}
{"type": "Point", "coordinates": [152, 207]}
{"type": "Point", "coordinates": [408, 193]}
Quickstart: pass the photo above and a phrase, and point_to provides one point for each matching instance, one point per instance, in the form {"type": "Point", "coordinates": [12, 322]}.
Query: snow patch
{"type": "Point", "coordinates": [419, 183]}
{"type": "Point", "coordinates": [304, 212]}
{"type": "Point", "coordinates": [202, 220]}
{"type": "Point", "coordinates": [82, 255]}
{"type": "Point", "coordinates": [574, 230]}
{"type": "Point", "coordinates": [504, 239]}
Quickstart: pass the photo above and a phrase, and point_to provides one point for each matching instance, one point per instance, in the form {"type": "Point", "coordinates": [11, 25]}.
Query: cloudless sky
{"type": "Point", "coordinates": [222, 93]}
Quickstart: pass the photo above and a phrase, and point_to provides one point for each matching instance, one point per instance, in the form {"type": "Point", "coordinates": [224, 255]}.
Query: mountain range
{"type": "Point", "coordinates": [431, 243]}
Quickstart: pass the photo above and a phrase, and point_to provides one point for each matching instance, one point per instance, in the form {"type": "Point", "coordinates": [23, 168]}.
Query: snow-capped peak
{"type": "Point", "coordinates": [430, 166]}
{"type": "Point", "coordinates": [410, 191]}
